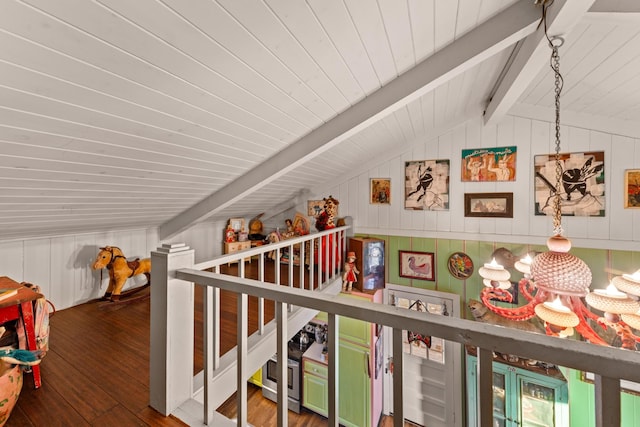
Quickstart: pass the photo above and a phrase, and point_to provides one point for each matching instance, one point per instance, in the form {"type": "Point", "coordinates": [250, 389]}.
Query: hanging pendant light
{"type": "Point", "coordinates": [555, 282]}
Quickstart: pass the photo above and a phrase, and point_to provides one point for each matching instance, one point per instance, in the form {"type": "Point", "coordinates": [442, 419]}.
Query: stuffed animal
{"type": "Point", "coordinates": [324, 221]}
{"type": "Point", "coordinates": [112, 258]}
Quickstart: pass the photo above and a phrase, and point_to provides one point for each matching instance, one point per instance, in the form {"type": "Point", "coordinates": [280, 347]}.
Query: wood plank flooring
{"type": "Point", "coordinates": [96, 373]}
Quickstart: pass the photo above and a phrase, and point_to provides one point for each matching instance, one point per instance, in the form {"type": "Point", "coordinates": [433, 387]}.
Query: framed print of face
{"type": "Point", "coordinates": [582, 186]}
{"type": "Point", "coordinates": [426, 185]}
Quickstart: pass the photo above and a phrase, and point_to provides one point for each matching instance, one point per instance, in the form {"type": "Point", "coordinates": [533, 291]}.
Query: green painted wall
{"type": "Point", "coordinates": [603, 263]}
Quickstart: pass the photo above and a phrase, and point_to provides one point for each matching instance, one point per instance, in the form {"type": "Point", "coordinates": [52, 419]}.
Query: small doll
{"type": "Point", "coordinates": [350, 272]}
{"type": "Point", "coordinates": [230, 234]}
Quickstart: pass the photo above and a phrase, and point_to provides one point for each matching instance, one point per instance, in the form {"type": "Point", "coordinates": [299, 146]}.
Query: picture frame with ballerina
{"type": "Point", "coordinates": [417, 265]}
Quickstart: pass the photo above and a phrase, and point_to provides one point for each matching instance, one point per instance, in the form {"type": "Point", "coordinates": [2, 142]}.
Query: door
{"type": "Point", "coordinates": [432, 366]}
{"type": "Point", "coordinates": [355, 381]}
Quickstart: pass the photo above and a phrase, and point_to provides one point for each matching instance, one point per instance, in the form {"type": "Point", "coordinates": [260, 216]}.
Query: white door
{"type": "Point", "coordinates": [432, 366]}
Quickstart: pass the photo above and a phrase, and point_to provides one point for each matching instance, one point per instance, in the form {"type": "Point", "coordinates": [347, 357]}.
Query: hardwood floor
{"type": "Point", "coordinates": [96, 373]}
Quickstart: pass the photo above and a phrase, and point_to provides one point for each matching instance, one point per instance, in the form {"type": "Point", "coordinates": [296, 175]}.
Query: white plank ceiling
{"type": "Point", "coordinates": [120, 114]}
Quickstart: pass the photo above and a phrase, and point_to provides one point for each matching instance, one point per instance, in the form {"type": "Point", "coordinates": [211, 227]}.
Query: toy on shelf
{"type": "Point", "coordinates": [255, 228]}
{"type": "Point", "coordinates": [229, 234]}
{"type": "Point", "coordinates": [350, 272]}
{"type": "Point", "coordinates": [325, 220]}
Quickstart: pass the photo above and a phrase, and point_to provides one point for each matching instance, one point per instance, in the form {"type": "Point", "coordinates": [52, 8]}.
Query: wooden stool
{"type": "Point", "coordinates": [21, 306]}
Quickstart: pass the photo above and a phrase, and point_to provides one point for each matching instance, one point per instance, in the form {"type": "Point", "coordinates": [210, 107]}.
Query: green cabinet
{"type": "Point", "coordinates": [315, 387]}
{"type": "Point", "coordinates": [359, 390]}
{"type": "Point", "coordinates": [520, 397]}
{"type": "Point", "coordinates": [355, 385]}
{"type": "Point", "coordinates": [353, 330]}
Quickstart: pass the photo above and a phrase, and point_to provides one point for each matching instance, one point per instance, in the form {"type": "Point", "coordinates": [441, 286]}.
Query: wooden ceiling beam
{"type": "Point", "coordinates": [532, 55]}
{"type": "Point", "coordinates": [496, 34]}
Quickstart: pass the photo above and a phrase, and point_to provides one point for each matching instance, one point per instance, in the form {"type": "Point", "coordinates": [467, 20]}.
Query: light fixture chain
{"type": "Point", "coordinates": [555, 65]}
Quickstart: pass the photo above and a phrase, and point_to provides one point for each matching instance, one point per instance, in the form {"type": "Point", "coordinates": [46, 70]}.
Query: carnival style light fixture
{"type": "Point", "coordinates": [555, 282]}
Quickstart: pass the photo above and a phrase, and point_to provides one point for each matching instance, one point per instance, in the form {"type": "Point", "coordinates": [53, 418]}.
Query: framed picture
{"type": "Point", "coordinates": [426, 185]}
{"type": "Point", "coordinates": [237, 224]}
{"type": "Point", "coordinates": [417, 265]}
{"type": "Point", "coordinates": [489, 164]}
{"type": "Point", "coordinates": [314, 207]}
{"type": "Point", "coordinates": [492, 205]}
{"type": "Point", "coordinates": [301, 224]}
{"type": "Point", "coordinates": [380, 191]}
{"type": "Point", "coordinates": [632, 188]}
{"type": "Point", "coordinates": [582, 186]}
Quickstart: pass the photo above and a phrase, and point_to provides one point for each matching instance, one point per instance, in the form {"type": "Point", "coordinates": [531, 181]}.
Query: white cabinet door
{"type": "Point", "coordinates": [432, 366]}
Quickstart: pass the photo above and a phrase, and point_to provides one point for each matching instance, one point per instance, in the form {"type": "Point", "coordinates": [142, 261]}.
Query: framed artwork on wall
{"type": "Point", "coordinates": [489, 164]}
{"type": "Point", "coordinates": [632, 189]}
{"type": "Point", "coordinates": [380, 191]}
{"type": "Point", "coordinates": [582, 187]}
{"type": "Point", "coordinates": [488, 205]}
{"type": "Point", "coordinates": [314, 207]}
{"type": "Point", "coordinates": [237, 224]}
{"type": "Point", "coordinates": [426, 185]}
{"type": "Point", "coordinates": [417, 265]}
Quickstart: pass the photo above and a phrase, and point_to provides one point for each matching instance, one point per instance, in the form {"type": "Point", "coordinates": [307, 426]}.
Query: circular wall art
{"type": "Point", "coordinates": [460, 265]}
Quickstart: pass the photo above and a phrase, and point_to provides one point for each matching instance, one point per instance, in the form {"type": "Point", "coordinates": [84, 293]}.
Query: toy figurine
{"type": "Point", "coordinates": [230, 234]}
{"type": "Point", "coordinates": [120, 269]}
{"type": "Point", "coordinates": [350, 272]}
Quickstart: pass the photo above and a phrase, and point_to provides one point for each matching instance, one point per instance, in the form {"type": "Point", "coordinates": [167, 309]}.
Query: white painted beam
{"type": "Point", "coordinates": [489, 38]}
{"type": "Point", "coordinates": [534, 53]}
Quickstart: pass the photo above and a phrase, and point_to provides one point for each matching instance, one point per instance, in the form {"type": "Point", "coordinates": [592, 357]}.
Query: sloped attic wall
{"type": "Point", "coordinates": [618, 229]}
{"type": "Point", "coordinates": [61, 266]}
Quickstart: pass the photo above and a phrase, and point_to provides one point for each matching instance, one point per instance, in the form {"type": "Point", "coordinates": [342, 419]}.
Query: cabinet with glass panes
{"type": "Point", "coordinates": [521, 397]}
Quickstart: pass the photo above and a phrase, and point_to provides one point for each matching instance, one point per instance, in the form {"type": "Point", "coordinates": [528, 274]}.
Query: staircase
{"type": "Point", "coordinates": [261, 347]}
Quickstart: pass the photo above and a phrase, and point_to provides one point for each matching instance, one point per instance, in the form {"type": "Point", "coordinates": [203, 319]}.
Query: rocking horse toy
{"type": "Point", "coordinates": [112, 258]}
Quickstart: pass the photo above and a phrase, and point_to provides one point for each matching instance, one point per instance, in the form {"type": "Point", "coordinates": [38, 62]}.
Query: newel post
{"type": "Point", "coordinates": [171, 357]}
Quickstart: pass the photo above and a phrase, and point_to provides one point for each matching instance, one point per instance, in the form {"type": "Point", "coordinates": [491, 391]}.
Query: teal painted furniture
{"type": "Point", "coordinates": [520, 397]}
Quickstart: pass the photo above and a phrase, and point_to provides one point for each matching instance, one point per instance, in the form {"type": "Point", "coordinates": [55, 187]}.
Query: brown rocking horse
{"type": "Point", "coordinates": [120, 270]}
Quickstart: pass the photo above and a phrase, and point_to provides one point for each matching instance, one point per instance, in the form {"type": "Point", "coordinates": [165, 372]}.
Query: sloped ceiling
{"type": "Point", "coordinates": [118, 114]}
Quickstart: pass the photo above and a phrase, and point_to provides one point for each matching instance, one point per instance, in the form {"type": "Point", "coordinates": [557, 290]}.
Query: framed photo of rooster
{"type": "Point", "coordinates": [417, 265]}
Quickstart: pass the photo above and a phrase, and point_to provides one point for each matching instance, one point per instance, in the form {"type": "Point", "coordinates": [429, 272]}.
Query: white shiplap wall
{"type": "Point", "coordinates": [61, 266]}
{"type": "Point", "coordinates": [618, 229]}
